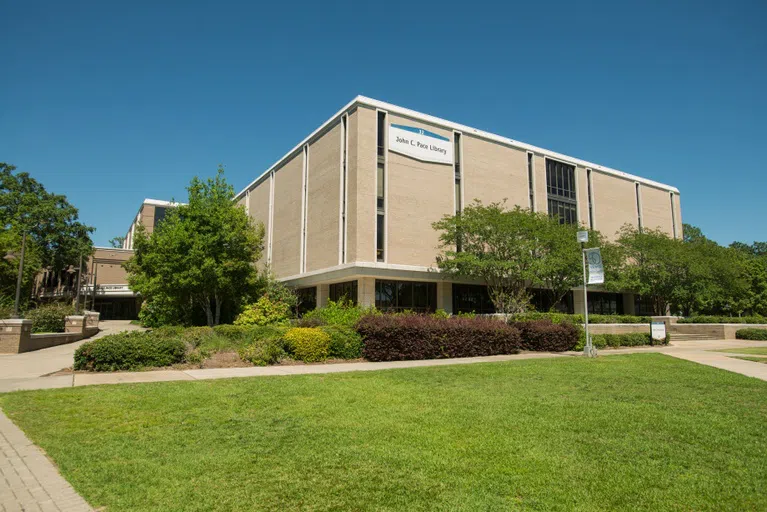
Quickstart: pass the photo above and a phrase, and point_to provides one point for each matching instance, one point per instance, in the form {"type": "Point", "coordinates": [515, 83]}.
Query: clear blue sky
{"type": "Point", "coordinates": [112, 102]}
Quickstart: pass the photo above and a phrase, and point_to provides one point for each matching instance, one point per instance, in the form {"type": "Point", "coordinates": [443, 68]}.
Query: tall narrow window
{"type": "Point", "coordinates": [673, 214]}
{"type": "Point", "coordinates": [639, 206]}
{"type": "Point", "coordinates": [380, 189]}
{"type": "Point", "coordinates": [560, 188]}
{"type": "Point", "coordinates": [457, 172]}
{"type": "Point", "coordinates": [344, 144]}
{"type": "Point", "coordinates": [590, 198]}
{"type": "Point", "coordinates": [530, 187]}
{"type": "Point", "coordinates": [305, 208]}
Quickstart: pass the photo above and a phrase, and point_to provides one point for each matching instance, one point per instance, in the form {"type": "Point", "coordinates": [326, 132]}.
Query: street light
{"type": "Point", "coordinates": [588, 349]}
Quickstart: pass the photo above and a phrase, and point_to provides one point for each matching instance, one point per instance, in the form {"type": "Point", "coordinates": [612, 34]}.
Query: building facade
{"type": "Point", "coordinates": [349, 210]}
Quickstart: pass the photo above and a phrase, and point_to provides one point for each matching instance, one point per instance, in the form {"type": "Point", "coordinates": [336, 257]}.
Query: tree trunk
{"type": "Point", "coordinates": [218, 310]}
{"type": "Point", "coordinates": [208, 311]}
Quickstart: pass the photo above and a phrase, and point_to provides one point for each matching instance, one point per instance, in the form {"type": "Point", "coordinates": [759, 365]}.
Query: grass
{"type": "Point", "coordinates": [754, 359]}
{"type": "Point", "coordinates": [628, 432]}
{"type": "Point", "coordinates": [757, 351]}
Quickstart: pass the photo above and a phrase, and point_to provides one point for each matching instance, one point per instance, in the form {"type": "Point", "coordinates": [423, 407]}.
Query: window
{"type": "Point", "coordinates": [304, 209]}
{"type": "Point", "coordinates": [605, 303]}
{"type": "Point", "coordinates": [530, 186]}
{"type": "Point", "coordinates": [307, 300]}
{"type": "Point", "coordinates": [541, 301]}
{"type": "Point", "coordinates": [380, 190]}
{"type": "Point", "coordinates": [406, 295]}
{"type": "Point", "coordinates": [346, 291]}
{"type": "Point", "coordinates": [673, 215]}
{"type": "Point", "coordinates": [643, 306]}
{"type": "Point", "coordinates": [457, 177]}
{"type": "Point", "coordinates": [344, 172]}
{"type": "Point", "coordinates": [560, 188]}
{"type": "Point", "coordinates": [159, 215]}
{"type": "Point", "coordinates": [590, 198]}
{"type": "Point", "coordinates": [639, 206]}
{"type": "Point", "coordinates": [472, 298]}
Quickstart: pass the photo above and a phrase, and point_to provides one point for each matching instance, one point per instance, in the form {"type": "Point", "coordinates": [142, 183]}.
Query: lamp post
{"type": "Point", "coordinates": [79, 273]}
{"type": "Point", "coordinates": [588, 349]}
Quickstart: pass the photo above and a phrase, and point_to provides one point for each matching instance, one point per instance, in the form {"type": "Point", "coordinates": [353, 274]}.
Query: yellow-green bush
{"type": "Point", "coordinates": [308, 344]}
{"type": "Point", "coordinates": [264, 312]}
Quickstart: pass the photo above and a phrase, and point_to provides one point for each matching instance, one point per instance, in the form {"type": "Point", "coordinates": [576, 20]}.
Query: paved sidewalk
{"type": "Point", "coordinates": [28, 480]}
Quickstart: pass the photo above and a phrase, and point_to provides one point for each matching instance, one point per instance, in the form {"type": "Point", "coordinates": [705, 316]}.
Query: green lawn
{"type": "Point", "coordinates": [630, 432]}
{"type": "Point", "coordinates": [754, 359]}
{"type": "Point", "coordinates": [757, 351]}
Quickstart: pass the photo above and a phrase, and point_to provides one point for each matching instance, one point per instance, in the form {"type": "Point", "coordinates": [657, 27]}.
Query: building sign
{"type": "Point", "coordinates": [658, 330]}
{"type": "Point", "coordinates": [596, 270]}
{"type": "Point", "coordinates": [420, 144]}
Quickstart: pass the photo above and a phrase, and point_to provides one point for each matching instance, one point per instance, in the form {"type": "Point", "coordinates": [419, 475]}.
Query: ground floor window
{"type": "Point", "coordinates": [346, 291]}
{"type": "Point", "coordinates": [406, 295]}
{"type": "Point", "coordinates": [643, 306]}
{"type": "Point", "coordinates": [117, 308]}
{"type": "Point", "coordinates": [307, 300]}
{"type": "Point", "coordinates": [541, 300]}
{"type": "Point", "coordinates": [601, 303]}
{"type": "Point", "coordinates": [472, 298]}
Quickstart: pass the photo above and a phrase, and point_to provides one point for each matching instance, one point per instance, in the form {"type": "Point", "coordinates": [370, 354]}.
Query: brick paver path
{"type": "Point", "coordinates": [28, 480]}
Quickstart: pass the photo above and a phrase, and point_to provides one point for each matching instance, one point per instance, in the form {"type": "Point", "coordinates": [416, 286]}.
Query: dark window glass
{"type": "Point", "coordinates": [345, 291]}
{"type": "Point", "coordinates": [381, 136]}
{"type": "Point", "coordinates": [590, 198]}
{"type": "Point", "coordinates": [560, 187]}
{"type": "Point", "coordinates": [605, 303]}
{"type": "Point", "coordinates": [159, 215]}
{"type": "Point", "coordinates": [307, 300]}
{"type": "Point", "coordinates": [380, 237]}
{"type": "Point", "coordinates": [530, 180]}
{"type": "Point", "coordinates": [472, 298]}
{"type": "Point", "coordinates": [406, 295]}
{"type": "Point", "coordinates": [643, 306]}
{"type": "Point", "coordinates": [541, 301]}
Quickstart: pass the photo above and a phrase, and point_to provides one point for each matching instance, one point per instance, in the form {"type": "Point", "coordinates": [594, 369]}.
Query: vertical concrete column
{"type": "Point", "coordinates": [15, 335]}
{"type": "Point", "coordinates": [323, 292]}
{"type": "Point", "coordinates": [628, 304]}
{"type": "Point", "coordinates": [366, 291]}
{"type": "Point", "coordinates": [578, 304]}
{"type": "Point", "coordinates": [75, 324]}
{"type": "Point", "coordinates": [445, 296]}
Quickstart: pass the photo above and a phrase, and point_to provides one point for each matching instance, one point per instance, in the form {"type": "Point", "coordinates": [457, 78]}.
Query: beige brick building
{"type": "Point", "coordinates": [348, 211]}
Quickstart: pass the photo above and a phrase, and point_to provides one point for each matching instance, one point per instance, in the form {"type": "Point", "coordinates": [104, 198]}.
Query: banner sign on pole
{"type": "Point", "coordinates": [658, 330]}
{"type": "Point", "coordinates": [596, 270]}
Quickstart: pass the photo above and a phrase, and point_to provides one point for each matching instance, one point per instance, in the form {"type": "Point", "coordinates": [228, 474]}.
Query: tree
{"type": "Point", "coordinates": [201, 257]}
{"type": "Point", "coordinates": [117, 242]}
{"type": "Point", "coordinates": [55, 236]}
{"type": "Point", "coordinates": [511, 250]}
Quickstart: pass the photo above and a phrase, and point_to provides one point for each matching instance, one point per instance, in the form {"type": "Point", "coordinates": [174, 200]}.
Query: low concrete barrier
{"type": "Point", "coordinates": [715, 331]}
{"type": "Point", "coordinates": [16, 333]}
{"type": "Point", "coordinates": [618, 328]}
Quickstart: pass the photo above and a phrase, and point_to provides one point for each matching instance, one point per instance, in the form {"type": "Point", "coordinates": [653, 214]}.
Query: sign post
{"type": "Point", "coordinates": [596, 275]}
{"type": "Point", "coordinates": [658, 331]}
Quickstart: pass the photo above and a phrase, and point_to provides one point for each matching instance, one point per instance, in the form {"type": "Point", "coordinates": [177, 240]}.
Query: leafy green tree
{"type": "Point", "coordinates": [117, 242]}
{"type": "Point", "coordinates": [201, 257]}
{"type": "Point", "coordinates": [55, 236]}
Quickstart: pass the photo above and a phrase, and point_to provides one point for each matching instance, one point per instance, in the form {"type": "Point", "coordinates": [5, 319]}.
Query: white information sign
{"type": "Point", "coordinates": [596, 270]}
{"type": "Point", "coordinates": [658, 330]}
{"type": "Point", "coordinates": [420, 144]}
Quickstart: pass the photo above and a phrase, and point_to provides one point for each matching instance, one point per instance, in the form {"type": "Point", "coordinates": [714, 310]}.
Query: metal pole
{"type": "Point", "coordinates": [95, 276]}
{"type": "Point", "coordinates": [79, 272]}
{"type": "Point", "coordinates": [587, 351]}
{"type": "Point", "coordinates": [21, 275]}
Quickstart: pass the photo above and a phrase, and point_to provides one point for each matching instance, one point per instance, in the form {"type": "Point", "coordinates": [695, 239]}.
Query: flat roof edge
{"type": "Point", "coordinates": [389, 107]}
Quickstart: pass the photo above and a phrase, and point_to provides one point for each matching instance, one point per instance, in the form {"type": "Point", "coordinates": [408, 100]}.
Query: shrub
{"type": "Point", "coordinates": [545, 335]}
{"type": "Point", "coordinates": [345, 342]}
{"type": "Point", "coordinates": [711, 319]}
{"type": "Point", "coordinates": [263, 345]}
{"type": "Point", "coordinates": [342, 312]}
{"type": "Point", "coordinates": [405, 337]}
{"type": "Point", "coordinates": [441, 313]}
{"type": "Point", "coordinates": [559, 318]}
{"type": "Point", "coordinates": [231, 332]}
{"type": "Point", "coordinates": [308, 344]}
{"type": "Point", "coordinates": [50, 317]}
{"type": "Point", "coordinates": [129, 351]}
{"type": "Point", "coordinates": [264, 312]}
{"type": "Point", "coordinates": [634, 339]}
{"type": "Point", "coordinates": [751, 334]}
{"type": "Point", "coordinates": [312, 321]}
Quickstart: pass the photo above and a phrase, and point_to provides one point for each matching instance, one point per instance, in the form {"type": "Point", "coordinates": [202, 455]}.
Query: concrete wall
{"type": "Point", "coordinates": [614, 203]}
{"type": "Point", "coordinates": [258, 209]}
{"type": "Point", "coordinates": [286, 233]}
{"type": "Point", "coordinates": [352, 187]}
{"type": "Point", "coordinates": [618, 328]}
{"type": "Point", "coordinates": [417, 194]}
{"type": "Point", "coordinates": [656, 209]}
{"type": "Point", "coordinates": [322, 228]}
{"type": "Point", "coordinates": [109, 263]}
{"type": "Point", "coordinates": [362, 171]}
{"type": "Point", "coordinates": [716, 331]}
{"type": "Point", "coordinates": [493, 172]}
{"type": "Point", "coordinates": [16, 334]}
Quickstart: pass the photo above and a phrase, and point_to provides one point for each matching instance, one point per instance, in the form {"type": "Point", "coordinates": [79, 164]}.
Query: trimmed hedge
{"type": "Point", "coordinates": [711, 319]}
{"type": "Point", "coordinates": [129, 351]}
{"type": "Point", "coordinates": [308, 344]}
{"type": "Point", "coordinates": [345, 342]}
{"type": "Point", "coordinates": [545, 335]}
{"type": "Point", "coordinates": [559, 318]}
{"type": "Point", "coordinates": [408, 337]}
{"type": "Point", "coordinates": [751, 334]}
{"type": "Point", "coordinates": [50, 317]}
{"type": "Point", "coordinates": [634, 339]}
